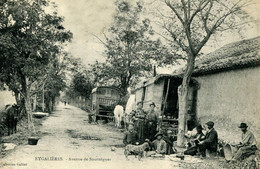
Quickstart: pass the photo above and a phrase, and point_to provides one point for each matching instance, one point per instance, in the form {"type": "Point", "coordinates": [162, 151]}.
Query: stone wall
{"type": "Point", "coordinates": [153, 93]}
{"type": "Point", "coordinates": [229, 98]}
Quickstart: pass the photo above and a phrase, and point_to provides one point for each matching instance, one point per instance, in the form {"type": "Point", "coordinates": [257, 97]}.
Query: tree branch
{"type": "Point", "coordinates": [200, 8]}
{"type": "Point", "coordinates": [182, 46]}
{"type": "Point", "coordinates": [175, 11]}
{"type": "Point", "coordinates": [99, 40]}
{"type": "Point", "coordinates": [217, 24]}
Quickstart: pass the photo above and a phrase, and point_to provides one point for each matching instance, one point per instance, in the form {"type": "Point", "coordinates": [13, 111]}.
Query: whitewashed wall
{"type": "Point", "coordinates": [230, 98]}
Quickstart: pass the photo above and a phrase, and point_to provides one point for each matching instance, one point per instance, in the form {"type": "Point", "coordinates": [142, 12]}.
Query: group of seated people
{"type": "Point", "coordinates": [163, 144]}
{"type": "Point", "coordinates": [198, 142]}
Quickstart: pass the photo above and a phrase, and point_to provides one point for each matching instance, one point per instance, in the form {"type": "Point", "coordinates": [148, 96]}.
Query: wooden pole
{"type": "Point", "coordinates": [166, 95]}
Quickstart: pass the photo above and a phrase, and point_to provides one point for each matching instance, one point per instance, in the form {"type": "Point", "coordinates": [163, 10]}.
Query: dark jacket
{"type": "Point", "coordinates": [211, 140]}
{"type": "Point", "coordinates": [130, 137]}
{"type": "Point", "coordinates": [169, 144]}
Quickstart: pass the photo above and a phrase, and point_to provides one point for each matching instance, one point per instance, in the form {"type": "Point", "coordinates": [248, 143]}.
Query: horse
{"type": "Point", "coordinates": [118, 115]}
{"type": "Point", "coordinates": [10, 117]}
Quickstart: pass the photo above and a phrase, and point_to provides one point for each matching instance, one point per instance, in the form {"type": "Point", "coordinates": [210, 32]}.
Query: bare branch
{"type": "Point", "coordinates": [234, 26]}
{"type": "Point", "coordinates": [99, 40]}
{"type": "Point", "coordinates": [199, 8]}
{"type": "Point", "coordinates": [205, 18]}
{"type": "Point", "coordinates": [217, 24]}
{"type": "Point", "coordinates": [185, 11]}
{"type": "Point", "coordinates": [182, 46]}
{"type": "Point", "coordinates": [174, 10]}
{"type": "Point", "coordinates": [164, 37]}
{"type": "Point", "coordinates": [21, 92]}
{"type": "Point", "coordinates": [165, 15]}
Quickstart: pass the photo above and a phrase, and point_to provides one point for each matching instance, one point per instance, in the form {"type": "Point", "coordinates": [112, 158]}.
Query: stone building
{"type": "Point", "coordinates": [225, 88]}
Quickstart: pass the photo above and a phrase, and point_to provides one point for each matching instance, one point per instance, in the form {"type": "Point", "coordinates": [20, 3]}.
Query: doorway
{"type": "Point", "coordinates": [170, 106]}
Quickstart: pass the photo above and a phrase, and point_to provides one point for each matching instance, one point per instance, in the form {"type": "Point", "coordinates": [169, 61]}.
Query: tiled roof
{"type": "Point", "coordinates": [232, 56]}
{"type": "Point", "coordinates": [236, 55]}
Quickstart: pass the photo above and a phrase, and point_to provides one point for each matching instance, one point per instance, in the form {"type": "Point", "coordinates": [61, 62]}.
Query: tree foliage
{"type": "Point", "coordinates": [81, 80]}
{"type": "Point", "coordinates": [82, 85]}
{"type": "Point", "coordinates": [129, 48]}
{"type": "Point", "coordinates": [30, 39]}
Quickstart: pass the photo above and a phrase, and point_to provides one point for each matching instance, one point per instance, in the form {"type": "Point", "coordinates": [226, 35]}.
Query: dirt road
{"type": "Point", "coordinates": [69, 141]}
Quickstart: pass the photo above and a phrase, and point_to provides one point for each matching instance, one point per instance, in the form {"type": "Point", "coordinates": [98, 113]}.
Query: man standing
{"type": "Point", "coordinates": [151, 122]}
{"type": "Point", "coordinates": [138, 117]}
{"type": "Point", "coordinates": [130, 136]}
{"type": "Point", "coordinates": [211, 141]}
{"type": "Point", "coordinates": [247, 145]}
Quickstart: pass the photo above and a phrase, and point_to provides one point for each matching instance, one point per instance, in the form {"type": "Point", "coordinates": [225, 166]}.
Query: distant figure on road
{"type": "Point", "coordinates": [65, 103]}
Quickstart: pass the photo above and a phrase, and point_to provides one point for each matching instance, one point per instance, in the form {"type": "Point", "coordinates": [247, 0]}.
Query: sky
{"type": "Point", "coordinates": [86, 18]}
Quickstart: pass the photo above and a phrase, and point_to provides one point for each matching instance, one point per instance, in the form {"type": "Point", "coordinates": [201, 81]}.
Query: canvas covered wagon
{"type": "Point", "coordinates": [163, 91]}
{"type": "Point", "coordinates": [103, 101]}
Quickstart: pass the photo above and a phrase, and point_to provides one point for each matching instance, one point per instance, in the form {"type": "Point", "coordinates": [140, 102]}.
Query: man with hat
{"type": "Point", "coordinates": [130, 136]}
{"type": "Point", "coordinates": [247, 146]}
{"type": "Point", "coordinates": [211, 141]}
{"type": "Point", "coordinates": [151, 122]}
{"type": "Point", "coordinates": [159, 145]}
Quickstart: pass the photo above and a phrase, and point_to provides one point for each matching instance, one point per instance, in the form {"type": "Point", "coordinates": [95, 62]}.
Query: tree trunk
{"type": "Point", "coordinates": [16, 94]}
{"type": "Point", "coordinates": [34, 102]}
{"type": "Point", "coordinates": [43, 104]}
{"type": "Point", "coordinates": [53, 103]}
{"type": "Point", "coordinates": [28, 107]}
{"type": "Point", "coordinates": [183, 100]}
{"type": "Point", "coordinates": [50, 106]}
{"type": "Point", "coordinates": [124, 87]}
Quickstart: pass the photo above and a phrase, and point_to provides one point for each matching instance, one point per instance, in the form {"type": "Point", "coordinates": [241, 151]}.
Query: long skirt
{"type": "Point", "coordinates": [151, 130]}
{"type": "Point", "coordinates": [140, 129]}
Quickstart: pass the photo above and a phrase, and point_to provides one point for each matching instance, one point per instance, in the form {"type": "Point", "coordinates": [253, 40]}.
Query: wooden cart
{"type": "Point", "coordinates": [103, 101]}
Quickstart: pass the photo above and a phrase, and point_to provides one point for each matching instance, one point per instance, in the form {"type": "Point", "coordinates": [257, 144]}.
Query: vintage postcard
{"type": "Point", "coordinates": [125, 84]}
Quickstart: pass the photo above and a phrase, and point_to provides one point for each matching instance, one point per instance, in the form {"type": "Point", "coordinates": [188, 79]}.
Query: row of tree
{"type": "Point", "coordinates": [81, 81]}
{"type": "Point", "coordinates": [32, 57]}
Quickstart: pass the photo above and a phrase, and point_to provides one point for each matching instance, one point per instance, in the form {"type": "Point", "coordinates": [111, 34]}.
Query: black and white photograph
{"type": "Point", "coordinates": [129, 84]}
